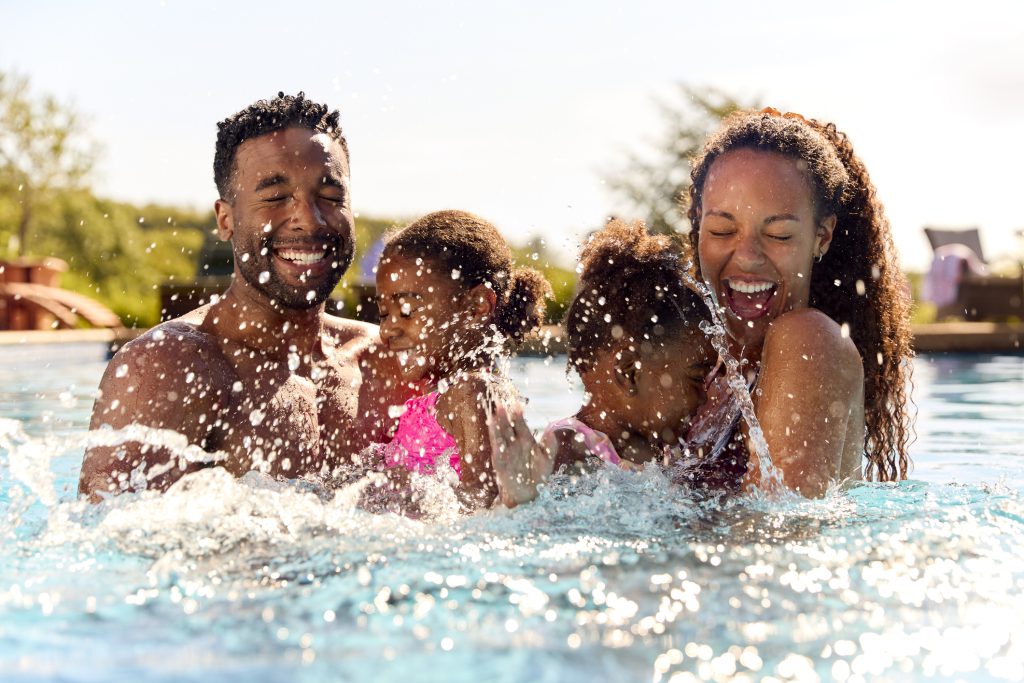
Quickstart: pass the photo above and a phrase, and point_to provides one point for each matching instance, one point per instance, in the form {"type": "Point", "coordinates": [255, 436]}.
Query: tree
{"type": "Point", "coordinates": [43, 150]}
{"type": "Point", "coordinates": [654, 185]}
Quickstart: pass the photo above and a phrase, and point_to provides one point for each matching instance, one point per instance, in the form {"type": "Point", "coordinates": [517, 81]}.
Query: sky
{"type": "Point", "coordinates": [517, 111]}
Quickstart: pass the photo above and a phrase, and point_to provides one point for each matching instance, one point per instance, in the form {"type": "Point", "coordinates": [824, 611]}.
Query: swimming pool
{"type": "Point", "coordinates": [623, 578]}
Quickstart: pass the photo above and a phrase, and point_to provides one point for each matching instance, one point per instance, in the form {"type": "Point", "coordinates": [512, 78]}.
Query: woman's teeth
{"type": "Point", "coordinates": [750, 287]}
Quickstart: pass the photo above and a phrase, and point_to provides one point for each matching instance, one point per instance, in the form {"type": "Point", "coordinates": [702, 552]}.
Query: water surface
{"type": "Point", "coordinates": [615, 576]}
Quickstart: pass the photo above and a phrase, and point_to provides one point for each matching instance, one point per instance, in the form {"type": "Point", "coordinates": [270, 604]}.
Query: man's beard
{"type": "Point", "coordinates": [261, 263]}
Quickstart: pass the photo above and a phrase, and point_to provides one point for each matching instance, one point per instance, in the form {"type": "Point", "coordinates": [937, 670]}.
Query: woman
{"type": "Point", "coordinates": [790, 238]}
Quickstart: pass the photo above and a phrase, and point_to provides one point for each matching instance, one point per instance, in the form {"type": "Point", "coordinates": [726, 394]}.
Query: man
{"type": "Point", "coordinates": [261, 379]}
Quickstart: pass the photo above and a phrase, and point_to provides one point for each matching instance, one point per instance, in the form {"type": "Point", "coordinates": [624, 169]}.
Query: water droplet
{"type": "Point", "coordinates": [122, 371]}
{"type": "Point", "coordinates": [256, 417]}
{"type": "Point", "coordinates": [264, 277]}
{"type": "Point", "coordinates": [245, 257]}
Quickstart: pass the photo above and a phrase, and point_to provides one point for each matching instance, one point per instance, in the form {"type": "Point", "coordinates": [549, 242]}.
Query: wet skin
{"type": "Point", "coordinates": [759, 234]}
{"type": "Point", "coordinates": [642, 394]}
{"type": "Point", "coordinates": [263, 377]}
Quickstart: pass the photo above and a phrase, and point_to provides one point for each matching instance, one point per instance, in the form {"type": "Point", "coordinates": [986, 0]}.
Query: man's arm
{"type": "Point", "coordinates": [167, 379]}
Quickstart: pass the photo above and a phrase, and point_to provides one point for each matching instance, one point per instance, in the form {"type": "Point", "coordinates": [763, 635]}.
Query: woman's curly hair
{"type": "Point", "coordinates": [857, 283]}
{"type": "Point", "coordinates": [474, 251]}
{"type": "Point", "coordinates": [632, 286]}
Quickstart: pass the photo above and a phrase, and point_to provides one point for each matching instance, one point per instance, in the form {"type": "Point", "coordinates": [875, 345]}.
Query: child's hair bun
{"type": "Point", "coordinates": [631, 284]}
{"type": "Point", "coordinates": [523, 311]}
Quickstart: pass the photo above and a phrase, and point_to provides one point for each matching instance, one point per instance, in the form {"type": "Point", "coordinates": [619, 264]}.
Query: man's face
{"type": "Point", "coordinates": [290, 220]}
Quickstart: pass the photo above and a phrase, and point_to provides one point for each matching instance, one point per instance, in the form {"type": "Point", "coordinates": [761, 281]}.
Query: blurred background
{"type": "Point", "coordinates": [545, 118]}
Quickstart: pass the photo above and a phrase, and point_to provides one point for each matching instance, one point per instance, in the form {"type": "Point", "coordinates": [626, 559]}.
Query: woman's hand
{"type": "Point", "coordinates": [520, 463]}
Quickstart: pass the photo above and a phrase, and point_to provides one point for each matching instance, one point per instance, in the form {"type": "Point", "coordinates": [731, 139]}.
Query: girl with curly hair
{"type": "Point", "coordinates": [634, 336]}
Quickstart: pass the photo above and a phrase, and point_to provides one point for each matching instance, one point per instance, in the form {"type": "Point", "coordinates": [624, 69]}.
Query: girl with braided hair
{"type": "Point", "coordinates": [794, 245]}
{"type": "Point", "coordinates": [451, 305]}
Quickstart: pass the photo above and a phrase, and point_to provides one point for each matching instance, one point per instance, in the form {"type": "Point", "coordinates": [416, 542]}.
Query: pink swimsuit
{"type": "Point", "coordinates": [596, 442]}
{"type": "Point", "coordinates": [420, 440]}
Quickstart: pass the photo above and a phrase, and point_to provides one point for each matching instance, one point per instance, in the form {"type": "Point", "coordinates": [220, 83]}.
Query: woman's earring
{"type": "Point", "coordinates": [817, 259]}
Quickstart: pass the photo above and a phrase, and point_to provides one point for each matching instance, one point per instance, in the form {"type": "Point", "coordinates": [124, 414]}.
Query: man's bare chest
{"type": "Point", "coordinates": [284, 423]}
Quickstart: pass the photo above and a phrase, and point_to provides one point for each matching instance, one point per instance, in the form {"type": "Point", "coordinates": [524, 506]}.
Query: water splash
{"type": "Point", "coordinates": [770, 481]}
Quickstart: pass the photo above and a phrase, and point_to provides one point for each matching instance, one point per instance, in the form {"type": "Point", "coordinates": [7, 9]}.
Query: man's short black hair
{"type": "Point", "coordinates": [266, 116]}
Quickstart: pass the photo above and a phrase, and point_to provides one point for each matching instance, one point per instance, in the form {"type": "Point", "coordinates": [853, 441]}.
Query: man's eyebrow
{"type": "Point", "coordinates": [270, 181]}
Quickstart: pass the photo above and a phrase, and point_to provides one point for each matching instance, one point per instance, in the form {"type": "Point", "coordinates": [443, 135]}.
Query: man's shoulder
{"type": "Point", "coordinates": [182, 342]}
{"type": "Point", "coordinates": [359, 342]}
{"type": "Point", "coordinates": [345, 330]}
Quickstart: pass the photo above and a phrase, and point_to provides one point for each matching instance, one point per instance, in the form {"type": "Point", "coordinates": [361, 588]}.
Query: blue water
{"type": "Point", "coordinates": [616, 576]}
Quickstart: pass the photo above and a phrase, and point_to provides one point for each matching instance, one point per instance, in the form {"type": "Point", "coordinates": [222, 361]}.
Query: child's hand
{"type": "Point", "coordinates": [520, 463]}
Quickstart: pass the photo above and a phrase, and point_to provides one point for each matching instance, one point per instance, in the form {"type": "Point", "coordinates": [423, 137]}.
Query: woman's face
{"type": "Point", "coordinates": [758, 240]}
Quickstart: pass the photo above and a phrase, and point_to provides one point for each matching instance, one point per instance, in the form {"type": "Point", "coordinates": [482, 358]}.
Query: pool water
{"type": "Point", "coordinates": [614, 576]}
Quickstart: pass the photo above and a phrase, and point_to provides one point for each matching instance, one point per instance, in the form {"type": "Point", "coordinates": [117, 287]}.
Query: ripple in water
{"type": "Point", "coordinates": [610, 575]}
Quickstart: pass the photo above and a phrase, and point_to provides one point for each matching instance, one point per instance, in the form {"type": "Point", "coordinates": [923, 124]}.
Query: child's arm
{"type": "Point", "coordinates": [520, 462]}
{"type": "Point", "coordinates": [461, 413]}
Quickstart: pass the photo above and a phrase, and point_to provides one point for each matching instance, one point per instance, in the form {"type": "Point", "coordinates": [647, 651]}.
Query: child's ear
{"type": "Point", "coordinates": [483, 301]}
{"type": "Point", "coordinates": [225, 220]}
{"type": "Point", "coordinates": [626, 361]}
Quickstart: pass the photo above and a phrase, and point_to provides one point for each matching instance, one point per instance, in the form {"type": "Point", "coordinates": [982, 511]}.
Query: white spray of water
{"type": "Point", "coordinates": [771, 478]}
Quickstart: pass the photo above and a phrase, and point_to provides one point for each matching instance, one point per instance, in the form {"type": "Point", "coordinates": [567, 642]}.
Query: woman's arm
{"type": "Point", "coordinates": [810, 389]}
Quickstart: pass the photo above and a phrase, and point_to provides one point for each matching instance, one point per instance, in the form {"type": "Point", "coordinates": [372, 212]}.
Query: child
{"type": "Point", "coordinates": [451, 305]}
{"type": "Point", "coordinates": [634, 337]}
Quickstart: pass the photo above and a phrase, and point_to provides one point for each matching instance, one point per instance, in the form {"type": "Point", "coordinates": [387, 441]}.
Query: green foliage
{"type": "Point", "coordinates": [922, 311]}
{"type": "Point", "coordinates": [44, 151]}
{"type": "Point", "coordinates": [654, 184]}
{"type": "Point", "coordinates": [535, 254]}
{"type": "Point", "coordinates": [117, 253]}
